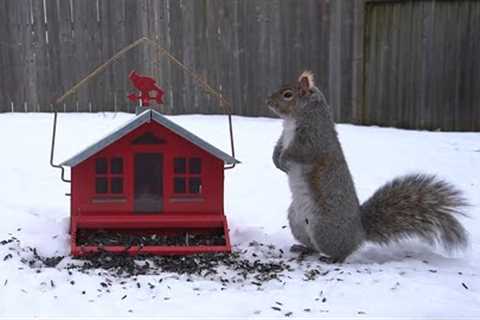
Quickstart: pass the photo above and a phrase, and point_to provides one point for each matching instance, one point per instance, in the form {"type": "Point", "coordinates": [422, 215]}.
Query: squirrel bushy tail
{"type": "Point", "coordinates": [415, 205]}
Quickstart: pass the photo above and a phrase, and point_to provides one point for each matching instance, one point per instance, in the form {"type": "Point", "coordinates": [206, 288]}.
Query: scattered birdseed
{"type": "Point", "coordinates": [4, 242]}
{"type": "Point", "coordinates": [232, 268]}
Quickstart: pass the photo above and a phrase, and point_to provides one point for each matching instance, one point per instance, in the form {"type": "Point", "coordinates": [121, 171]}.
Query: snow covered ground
{"type": "Point", "coordinates": [410, 280]}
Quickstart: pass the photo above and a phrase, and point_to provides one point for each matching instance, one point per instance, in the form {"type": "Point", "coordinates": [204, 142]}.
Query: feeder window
{"type": "Point", "coordinates": [180, 165]}
{"type": "Point", "coordinates": [194, 185]}
{"type": "Point", "coordinates": [109, 175]}
{"type": "Point", "coordinates": [187, 178]}
{"type": "Point", "coordinates": [116, 166]}
{"type": "Point", "coordinates": [101, 185]}
{"type": "Point", "coordinates": [179, 185]}
{"type": "Point", "coordinates": [195, 165]}
{"type": "Point", "coordinates": [101, 166]}
{"type": "Point", "coordinates": [117, 185]}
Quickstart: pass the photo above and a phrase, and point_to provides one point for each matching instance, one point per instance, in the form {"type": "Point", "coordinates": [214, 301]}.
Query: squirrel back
{"type": "Point", "coordinates": [325, 214]}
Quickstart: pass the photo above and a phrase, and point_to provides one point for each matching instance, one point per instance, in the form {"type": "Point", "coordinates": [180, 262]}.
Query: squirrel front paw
{"type": "Point", "coordinates": [283, 162]}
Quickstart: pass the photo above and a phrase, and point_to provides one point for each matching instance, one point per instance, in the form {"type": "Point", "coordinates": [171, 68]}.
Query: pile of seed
{"type": "Point", "coordinates": [257, 263]}
{"type": "Point", "coordinates": [208, 264]}
{"type": "Point", "coordinates": [113, 238]}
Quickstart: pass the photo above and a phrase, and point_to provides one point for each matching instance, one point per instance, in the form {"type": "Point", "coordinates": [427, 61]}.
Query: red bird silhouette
{"type": "Point", "coordinates": [145, 85]}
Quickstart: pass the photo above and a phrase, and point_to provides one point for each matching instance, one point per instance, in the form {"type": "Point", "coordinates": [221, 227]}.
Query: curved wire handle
{"type": "Point", "coordinates": [224, 104]}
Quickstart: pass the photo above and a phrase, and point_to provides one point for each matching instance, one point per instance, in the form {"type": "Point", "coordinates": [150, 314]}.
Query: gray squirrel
{"type": "Point", "coordinates": [325, 214]}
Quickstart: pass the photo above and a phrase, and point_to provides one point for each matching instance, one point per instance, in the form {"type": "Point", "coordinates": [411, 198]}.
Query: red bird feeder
{"type": "Point", "coordinates": [149, 187]}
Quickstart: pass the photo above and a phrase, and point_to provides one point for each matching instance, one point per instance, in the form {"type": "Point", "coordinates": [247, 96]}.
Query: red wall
{"type": "Point", "coordinates": [86, 201]}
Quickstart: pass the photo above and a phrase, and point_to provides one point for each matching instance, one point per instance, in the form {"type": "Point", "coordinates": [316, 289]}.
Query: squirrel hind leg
{"type": "Point", "coordinates": [298, 228]}
{"type": "Point", "coordinates": [336, 243]}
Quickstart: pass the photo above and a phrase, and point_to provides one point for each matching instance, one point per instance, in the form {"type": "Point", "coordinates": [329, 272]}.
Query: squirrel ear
{"type": "Point", "coordinates": [306, 82]}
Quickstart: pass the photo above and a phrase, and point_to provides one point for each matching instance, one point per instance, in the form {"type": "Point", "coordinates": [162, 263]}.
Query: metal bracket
{"type": "Point", "coordinates": [53, 148]}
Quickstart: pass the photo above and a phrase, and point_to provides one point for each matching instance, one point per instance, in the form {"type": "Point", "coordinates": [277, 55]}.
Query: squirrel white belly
{"type": "Point", "coordinates": [325, 214]}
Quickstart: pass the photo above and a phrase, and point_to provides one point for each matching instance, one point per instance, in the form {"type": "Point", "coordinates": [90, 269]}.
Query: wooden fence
{"type": "Point", "coordinates": [246, 49]}
{"type": "Point", "coordinates": [421, 64]}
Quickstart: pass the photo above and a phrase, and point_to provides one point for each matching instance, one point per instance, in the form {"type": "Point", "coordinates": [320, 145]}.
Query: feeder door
{"type": "Point", "coordinates": [148, 182]}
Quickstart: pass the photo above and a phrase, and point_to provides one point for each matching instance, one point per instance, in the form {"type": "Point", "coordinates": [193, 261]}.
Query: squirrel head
{"type": "Point", "coordinates": [291, 98]}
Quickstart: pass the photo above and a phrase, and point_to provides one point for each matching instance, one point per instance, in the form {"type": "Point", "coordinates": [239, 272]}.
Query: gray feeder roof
{"type": "Point", "coordinates": [145, 117]}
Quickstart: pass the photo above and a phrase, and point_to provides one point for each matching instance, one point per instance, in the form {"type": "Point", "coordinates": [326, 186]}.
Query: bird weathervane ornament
{"type": "Point", "coordinates": [145, 85]}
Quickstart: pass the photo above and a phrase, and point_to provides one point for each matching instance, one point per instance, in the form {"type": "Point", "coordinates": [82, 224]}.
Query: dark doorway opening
{"type": "Point", "coordinates": [148, 182]}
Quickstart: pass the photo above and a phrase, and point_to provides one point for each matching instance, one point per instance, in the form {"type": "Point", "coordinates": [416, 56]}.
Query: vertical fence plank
{"type": "Point", "coordinates": [334, 84]}
{"type": "Point", "coordinates": [42, 76]}
{"type": "Point", "coordinates": [440, 105]}
{"type": "Point", "coordinates": [382, 63]}
{"type": "Point", "coordinates": [66, 54]}
{"type": "Point", "coordinates": [475, 67]}
{"type": "Point", "coordinates": [409, 69]}
{"type": "Point", "coordinates": [346, 44]}
{"type": "Point", "coordinates": [236, 66]}
{"type": "Point", "coordinates": [457, 81]}
{"type": "Point", "coordinates": [463, 110]}
{"type": "Point", "coordinates": [396, 45]}
{"type": "Point", "coordinates": [16, 74]}
{"type": "Point", "coordinates": [80, 54]}
{"type": "Point", "coordinates": [369, 63]}
{"type": "Point", "coordinates": [30, 85]}
{"type": "Point", "coordinates": [108, 32]}
{"type": "Point", "coordinates": [55, 88]}
{"type": "Point", "coordinates": [449, 67]}
{"type": "Point", "coordinates": [5, 46]}
{"type": "Point", "coordinates": [97, 87]}
{"type": "Point", "coordinates": [118, 41]}
{"type": "Point", "coordinates": [416, 66]}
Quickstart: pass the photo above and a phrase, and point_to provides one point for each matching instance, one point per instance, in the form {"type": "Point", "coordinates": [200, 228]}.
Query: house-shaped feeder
{"type": "Point", "coordinates": [149, 187]}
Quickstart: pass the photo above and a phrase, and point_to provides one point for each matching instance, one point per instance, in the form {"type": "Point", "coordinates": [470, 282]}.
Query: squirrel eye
{"type": "Point", "coordinates": [288, 95]}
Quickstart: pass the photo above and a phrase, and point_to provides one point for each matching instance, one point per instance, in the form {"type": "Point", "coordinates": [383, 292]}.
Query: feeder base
{"type": "Point", "coordinates": [165, 234]}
